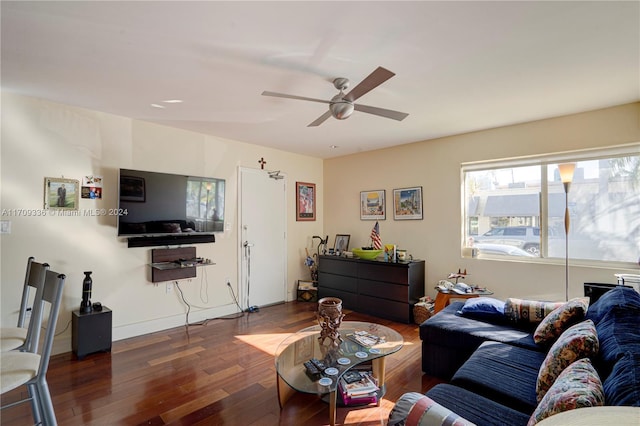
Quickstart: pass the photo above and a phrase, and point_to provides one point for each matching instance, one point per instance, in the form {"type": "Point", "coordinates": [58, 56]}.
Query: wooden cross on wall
{"type": "Point", "coordinates": [262, 162]}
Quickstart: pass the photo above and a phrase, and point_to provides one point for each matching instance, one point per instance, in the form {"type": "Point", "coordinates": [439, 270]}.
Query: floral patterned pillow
{"type": "Point", "coordinates": [577, 386]}
{"type": "Point", "coordinates": [528, 311]}
{"type": "Point", "coordinates": [578, 341]}
{"type": "Point", "coordinates": [560, 319]}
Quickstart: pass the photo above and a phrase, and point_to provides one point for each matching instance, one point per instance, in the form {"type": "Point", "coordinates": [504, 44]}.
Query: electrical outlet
{"type": "Point", "coordinates": [169, 288]}
{"type": "Point", "coordinates": [5, 226]}
{"type": "Point", "coordinates": [228, 281]}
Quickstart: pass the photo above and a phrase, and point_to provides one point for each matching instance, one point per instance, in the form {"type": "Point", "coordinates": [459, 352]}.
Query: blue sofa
{"type": "Point", "coordinates": [491, 368]}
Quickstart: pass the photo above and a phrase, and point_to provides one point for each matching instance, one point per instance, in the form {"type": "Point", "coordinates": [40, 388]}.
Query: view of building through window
{"type": "Point", "coordinates": [519, 211]}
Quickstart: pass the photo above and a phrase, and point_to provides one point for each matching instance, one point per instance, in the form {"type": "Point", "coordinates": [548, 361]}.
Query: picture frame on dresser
{"type": "Point", "coordinates": [407, 203]}
{"type": "Point", "coordinates": [342, 242]}
{"type": "Point", "coordinates": [373, 205]}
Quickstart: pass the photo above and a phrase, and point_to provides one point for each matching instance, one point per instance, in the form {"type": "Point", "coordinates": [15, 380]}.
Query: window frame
{"type": "Point", "coordinates": [543, 161]}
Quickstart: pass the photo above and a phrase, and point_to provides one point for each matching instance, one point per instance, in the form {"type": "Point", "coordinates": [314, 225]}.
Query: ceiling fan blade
{"type": "Point", "coordinates": [373, 80]}
{"type": "Point", "coordinates": [300, 98]}
{"type": "Point", "coordinates": [320, 119]}
{"type": "Point", "coordinates": [387, 113]}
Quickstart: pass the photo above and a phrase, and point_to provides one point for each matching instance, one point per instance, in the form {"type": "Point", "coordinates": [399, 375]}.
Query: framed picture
{"type": "Point", "coordinates": [372, 205]}
{"type": "Point", "coordinates": [407, 203]}
{"type": "Point", "coordinates": [305, 201]}
{"type": "Point", "coordinates": [342, 242]}
{"type": "Point", "coordinates": [91, 187]}
{"type": "Point", "coordinates": [61, 194]}
{"type": "Point", "coordinates": [132, 188]}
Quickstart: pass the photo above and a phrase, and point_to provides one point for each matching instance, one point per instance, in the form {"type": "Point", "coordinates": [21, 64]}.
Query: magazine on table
{"type": "Point", "coordinates": [365, 386]}
{"type": "Point", "coordinates": [360, 400]}
{"type": "Point", "coordinates": [365, 339]}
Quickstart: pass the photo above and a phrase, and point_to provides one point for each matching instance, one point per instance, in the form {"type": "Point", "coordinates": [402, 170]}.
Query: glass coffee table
{"type": "Point", "coordinates": [300, 347]}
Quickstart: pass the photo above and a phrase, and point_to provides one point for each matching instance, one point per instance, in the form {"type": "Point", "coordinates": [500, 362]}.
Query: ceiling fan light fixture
{"type": "Point", "coordinates": [340, 108]}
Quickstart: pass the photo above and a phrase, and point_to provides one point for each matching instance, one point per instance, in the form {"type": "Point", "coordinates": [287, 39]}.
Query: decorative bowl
{"type": "Point", "coordinates": [366, 254]}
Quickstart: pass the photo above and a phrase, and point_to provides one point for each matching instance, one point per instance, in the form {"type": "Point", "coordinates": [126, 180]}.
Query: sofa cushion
{"type": "Point", "coordinates": [449, 339]}
{"type": "Point", "coordinates": [450, 329]}
{"type": "Point", "coordinates": [415, 409]}
{"type": "Point", "coordinates": [528, 311]}
{"type": "Point", "coordinates": [476, 408]}
{"type": "Point", "coordinates": [618, 332]}
{"type": "Point", "coordinates": [561, 318]}
{"type": "Point", "coordinates": [577, 386]}
{"type": "Point", "coordinates": [579, 341]}
{"type": "Point", "coordinates": [493, 369]}
{"type": "Point", "coordinates": [622, 297]}
{"type": "Point", "coordinates": [622, 387]}
{"type": "Point", "coordinates": [484, 308]}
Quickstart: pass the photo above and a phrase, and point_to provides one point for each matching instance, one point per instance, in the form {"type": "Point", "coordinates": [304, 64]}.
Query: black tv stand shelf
{"type": "Point", "coordinates": [174, 264]}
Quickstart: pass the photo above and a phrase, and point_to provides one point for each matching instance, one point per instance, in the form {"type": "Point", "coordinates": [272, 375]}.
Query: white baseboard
{"type": "Point", "coordinates": [62, 343]}
{"type": "Point", "coordinates": [146, 327]}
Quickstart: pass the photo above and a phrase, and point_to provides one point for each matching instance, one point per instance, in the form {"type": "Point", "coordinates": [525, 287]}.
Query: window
{"type": "Point", "coordinates": [521, 204]}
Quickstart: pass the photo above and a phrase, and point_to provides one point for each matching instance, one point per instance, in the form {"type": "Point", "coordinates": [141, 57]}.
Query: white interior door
{"type": "Point", "coordinates": [262, 238]}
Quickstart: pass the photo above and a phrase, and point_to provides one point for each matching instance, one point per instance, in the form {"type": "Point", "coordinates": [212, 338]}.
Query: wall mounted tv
{"type": "Point", "coordinates": [163, 209]}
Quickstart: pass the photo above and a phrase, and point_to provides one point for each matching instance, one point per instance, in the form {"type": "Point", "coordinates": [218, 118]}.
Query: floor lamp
{"type": "Point", "coordinates": [566, 175]}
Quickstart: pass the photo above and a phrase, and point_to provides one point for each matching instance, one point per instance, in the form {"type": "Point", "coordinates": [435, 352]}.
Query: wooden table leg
{"type": "Point", "coordinates": [332, 408]}
{"type": "Point", "coordinates": [284, 391]}
{"type": "Point", "coordinates": [442, 300]}
{"type": "Point", "coordinates": [378, 367]}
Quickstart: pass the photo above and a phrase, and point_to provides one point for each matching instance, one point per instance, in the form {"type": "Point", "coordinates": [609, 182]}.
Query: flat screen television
{"type": "Point", "coordinates": [153, 204]}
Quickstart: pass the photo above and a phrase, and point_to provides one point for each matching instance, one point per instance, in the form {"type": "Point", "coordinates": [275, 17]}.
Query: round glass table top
{"type": "Point", "coordinates": [361, 342]}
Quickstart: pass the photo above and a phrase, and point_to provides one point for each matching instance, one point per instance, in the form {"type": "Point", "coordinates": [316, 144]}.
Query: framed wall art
{"type": "Point", "coordinates": [61, 194]}
{"type": "Point", "coordinates": [305, 201]}
{"type": "Point", "coordinates": [407, 203]}
{"type": "Point", "coordinates": [132, 188]}
{"type": "Point", "coordinates": [372, 205]}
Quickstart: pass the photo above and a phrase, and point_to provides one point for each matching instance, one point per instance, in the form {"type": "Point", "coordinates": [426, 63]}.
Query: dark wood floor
{"type": "Point", "coordinates": [219, 373]}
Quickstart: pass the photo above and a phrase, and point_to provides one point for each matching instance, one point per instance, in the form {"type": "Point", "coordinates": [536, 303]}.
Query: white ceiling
{"type": "Point", "coordinates": [460, 66]}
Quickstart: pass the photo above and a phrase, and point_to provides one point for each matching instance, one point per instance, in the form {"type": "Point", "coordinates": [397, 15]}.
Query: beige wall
{"type": "Point", "coordinates": [43, 139]}
{"type": "Point", "coordinates": [435, 165]}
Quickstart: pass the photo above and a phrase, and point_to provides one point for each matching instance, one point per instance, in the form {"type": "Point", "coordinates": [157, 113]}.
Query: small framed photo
{"type": "Point", "coordinates": [91, 187]}
{"type": "Point", "coordinates": [132, 188]}
{"type": "Point", "coordinates": [372, 205]}
{"type": "Point", "coordinates": [342, 242]}
{"type": "Point", "coordinates": [407, 203]}
{"type": "Point", "coordinates": [61, 194]}
{"type": "Point", "coordinates": [305, 201]}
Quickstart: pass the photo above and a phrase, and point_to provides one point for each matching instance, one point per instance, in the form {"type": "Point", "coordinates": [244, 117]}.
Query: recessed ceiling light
{"type": "Point", "coordinates": [158, 106]}
{"type": "Point", "coordinates": [173, 101]}
{"type": "Point", "coordinates": [334, 146]}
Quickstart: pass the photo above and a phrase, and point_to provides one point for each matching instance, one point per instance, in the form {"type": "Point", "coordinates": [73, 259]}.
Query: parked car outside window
{"type": "Point", "coordinates": [526, 238]}
{"type": "Point", "coordinates": [502, 250]}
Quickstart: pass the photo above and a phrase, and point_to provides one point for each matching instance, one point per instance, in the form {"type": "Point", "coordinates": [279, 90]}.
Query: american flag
{"type": "Point", "coordinates": [376, 242]}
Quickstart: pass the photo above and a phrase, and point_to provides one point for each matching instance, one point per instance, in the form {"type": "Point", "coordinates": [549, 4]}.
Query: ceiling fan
{"type": "Point", "coordinates": [341, 106]}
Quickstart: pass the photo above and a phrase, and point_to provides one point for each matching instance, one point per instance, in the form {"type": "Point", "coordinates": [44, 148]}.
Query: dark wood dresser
{"type": "Point", "coordinates": [381, 289]}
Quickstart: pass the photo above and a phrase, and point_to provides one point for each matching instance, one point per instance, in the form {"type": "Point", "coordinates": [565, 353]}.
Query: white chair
{"type": "Point", "coordinates": [30, 368]}
{"type": "Point", "coordinates": [12, 338]}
